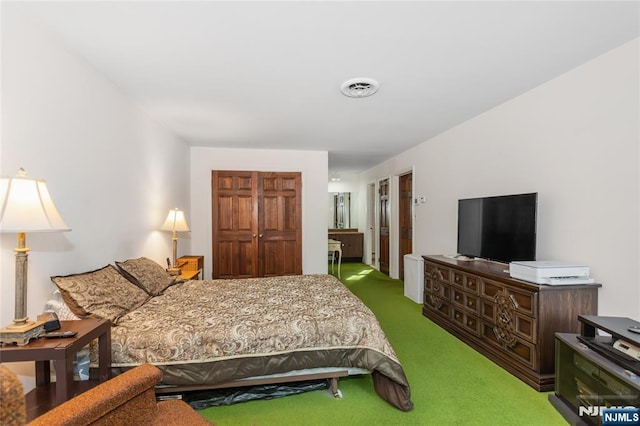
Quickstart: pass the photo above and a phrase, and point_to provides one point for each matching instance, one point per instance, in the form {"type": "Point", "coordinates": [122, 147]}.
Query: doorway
{"type": "Point", "coordinates": [385, 211]}
{"type": "Point", "coordinates": [405, 219]}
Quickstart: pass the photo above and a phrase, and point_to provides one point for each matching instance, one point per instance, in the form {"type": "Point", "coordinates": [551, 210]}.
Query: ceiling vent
{"type": "Point", "coordinates": [359, 87]}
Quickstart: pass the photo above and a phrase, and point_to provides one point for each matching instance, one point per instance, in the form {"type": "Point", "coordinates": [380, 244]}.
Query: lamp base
{"type": "Point", "coordinates": [21, 334]}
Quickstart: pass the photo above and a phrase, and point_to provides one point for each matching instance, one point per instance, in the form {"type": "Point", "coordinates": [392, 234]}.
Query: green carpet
{"type": "Point", "coordinates": [451, 384]}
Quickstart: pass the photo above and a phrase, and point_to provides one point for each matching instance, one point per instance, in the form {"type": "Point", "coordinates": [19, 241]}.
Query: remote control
{"type": "Point", "coordinates": [59, 334]}
{"type": "Point", "coordinates": [634, 329]}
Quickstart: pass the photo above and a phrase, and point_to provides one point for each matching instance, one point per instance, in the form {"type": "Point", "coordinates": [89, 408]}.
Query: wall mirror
{"type": "Point", "coordinates": [340, 210]}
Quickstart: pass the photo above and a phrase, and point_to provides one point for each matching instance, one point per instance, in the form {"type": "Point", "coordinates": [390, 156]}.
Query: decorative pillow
{"type": "Point", "coordinates": [103, 293]}
{"type": "Point", "coordinates": [146, 274]}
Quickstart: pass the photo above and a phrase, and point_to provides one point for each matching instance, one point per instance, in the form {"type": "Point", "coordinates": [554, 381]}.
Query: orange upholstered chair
{"type": "Point", "coordinates": [127, 399]}
{"type": "Point", "coordinates": [12, 408]}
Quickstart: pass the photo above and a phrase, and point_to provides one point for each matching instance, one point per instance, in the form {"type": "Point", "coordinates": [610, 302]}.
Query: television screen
{"type": "Point", "coordinates": [499, 228]}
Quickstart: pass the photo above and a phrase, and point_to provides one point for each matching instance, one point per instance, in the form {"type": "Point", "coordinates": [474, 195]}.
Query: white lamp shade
{"type": "Point", "coordinates": [175, 222]}
{"type": "Point", "coordinates": [26, 206]}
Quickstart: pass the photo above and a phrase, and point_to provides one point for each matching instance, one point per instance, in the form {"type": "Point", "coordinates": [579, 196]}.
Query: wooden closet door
{"type": "Point", "coordinates": [256, 223]}
{"type": "Point", "coordinates": [279, 223]}
{"type": "Point", "coordinates": [234, 212]}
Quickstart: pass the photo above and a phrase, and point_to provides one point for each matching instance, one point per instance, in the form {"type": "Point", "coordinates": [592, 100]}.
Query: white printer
{"type": "Point", "coordinates": [550, 272]}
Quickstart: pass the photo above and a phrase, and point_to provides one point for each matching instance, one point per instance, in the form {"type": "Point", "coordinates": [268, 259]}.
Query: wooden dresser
{"type": "Point", "coordinates": [352, 243]}
{"type": "Point", "coordinates": [511, 322]}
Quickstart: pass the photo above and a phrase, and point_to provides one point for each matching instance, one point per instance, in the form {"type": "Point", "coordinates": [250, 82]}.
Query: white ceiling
{"type": "Point", "coordinates": [267, 74]}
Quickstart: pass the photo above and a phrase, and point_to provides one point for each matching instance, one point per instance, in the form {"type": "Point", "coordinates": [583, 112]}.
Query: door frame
{"type": "Point", "coordinates": [371, 248]}
{"type": "Point", "coordinates": [390, 215]}
{"type": "Point", "coordinates": [373, 202]}
{"type": "Point", "coordinates": [411, 218]}
{"type": "Point", "coordinates": [394, 219]}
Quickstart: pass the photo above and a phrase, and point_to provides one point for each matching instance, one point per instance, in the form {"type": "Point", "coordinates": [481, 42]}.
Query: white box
{"type": "Point", "coordinates": [554, 281]}
{"type": "Point", "coordinates": [550, 272]}
{"type": "Point", "coordinates": [549, 269]}
{"type": "Point", "coordinates": [414, 277]}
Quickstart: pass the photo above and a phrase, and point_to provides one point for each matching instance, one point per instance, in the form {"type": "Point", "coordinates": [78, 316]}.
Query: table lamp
{"type": "Point", "coordinates": [25, 206]}
{"type": "Point", "coordinates": [175, 222]}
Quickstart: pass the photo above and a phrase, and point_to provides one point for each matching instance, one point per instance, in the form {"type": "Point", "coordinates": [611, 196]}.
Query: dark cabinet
{"type": "Point", "coordinates": [591, 374]}
{"type": "Point", "coordinates": [352, 244]}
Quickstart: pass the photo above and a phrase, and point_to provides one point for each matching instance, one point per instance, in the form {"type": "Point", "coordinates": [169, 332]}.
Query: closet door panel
{"type": "Point", "coordinates": [279, 223]}
{"type": "Point", "coordinates": [235, 259]}
{"type": "Point", "coordinates": [279, 258]}
{"type": "Point", "coordinates": [234, 224]}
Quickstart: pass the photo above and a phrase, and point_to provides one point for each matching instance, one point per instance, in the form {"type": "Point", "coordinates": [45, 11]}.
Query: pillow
{"type": "Point", "coordinates": [56, 304]}
{"type": "Point", "coordinates": [103, 293]}
{"type": "Point", "coordinates": [146, 274]}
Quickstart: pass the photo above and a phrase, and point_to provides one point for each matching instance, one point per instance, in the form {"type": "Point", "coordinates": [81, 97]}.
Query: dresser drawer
{"type": "Point", "coordinates": [464, 300]}
{"type": "Point", "coordinates": [436, 273]}
{"type": "Point", "coordinates": [458, 278]}
{"type": "Point", "coordinates": [522, 325]}
{"type": "Point", "coordinates": [466, 281]}
{"type": "Point", "coordinates": [468, 322]}
{"type": "Point", "coordinates": [521, 300]}
{"type": "Point", "coordinates": [525, 327]}
{"type": "Point", "coordinates": [473, 284]}
{"type": "Point", "coordinates": [436, 303]}
{"type": "Point", "coordinates": [517, 348]}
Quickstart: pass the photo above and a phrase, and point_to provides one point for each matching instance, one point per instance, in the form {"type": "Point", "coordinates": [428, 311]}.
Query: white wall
{"type": "Point", "coordinates": [314, 168]}
{"type": "Point", "coordinates": [111, 171]}
{"type": "Point", "coordinates": [574, 140]}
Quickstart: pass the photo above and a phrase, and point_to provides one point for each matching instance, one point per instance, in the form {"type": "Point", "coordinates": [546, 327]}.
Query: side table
{"type": "Point", "coordinates": [62, 352]}
{"type": "Point", "coordinates": [191, 266]}
{"type": "Point", "coordinates": [191, 275]}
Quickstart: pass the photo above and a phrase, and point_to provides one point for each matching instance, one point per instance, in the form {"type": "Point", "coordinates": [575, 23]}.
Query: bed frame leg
{"type": "Point", "coordinates": [334, 387]}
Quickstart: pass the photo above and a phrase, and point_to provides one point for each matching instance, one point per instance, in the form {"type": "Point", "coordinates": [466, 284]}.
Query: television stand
{"type": "Point", "coordinates": [591, 374]}
{"type": "Point", "coordinates": [511, 322]}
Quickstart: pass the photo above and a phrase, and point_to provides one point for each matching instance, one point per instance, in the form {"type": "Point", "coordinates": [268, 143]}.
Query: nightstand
{"type": "Point", "coordinates": [62, 352]}
{"type": "Point", "coordinates": [191, 267]}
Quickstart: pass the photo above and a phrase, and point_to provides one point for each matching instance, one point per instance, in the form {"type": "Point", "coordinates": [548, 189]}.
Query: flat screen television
{"type": "Point", "coordinates": [501, 228]}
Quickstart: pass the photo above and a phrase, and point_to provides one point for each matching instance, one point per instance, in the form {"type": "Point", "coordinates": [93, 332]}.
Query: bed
{"type": "Point", "coordinates": [212, 333]}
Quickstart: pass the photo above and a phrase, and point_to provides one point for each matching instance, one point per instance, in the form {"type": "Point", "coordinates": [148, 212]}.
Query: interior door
{"type": "Point", "coordinates": [279, 224]}
{"type": "Point", "coordinates": [234, 215]}
{"type": "Point", "coordinates": [385, 210]}
{"type": "Point", "coordinates": [405, 219]}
